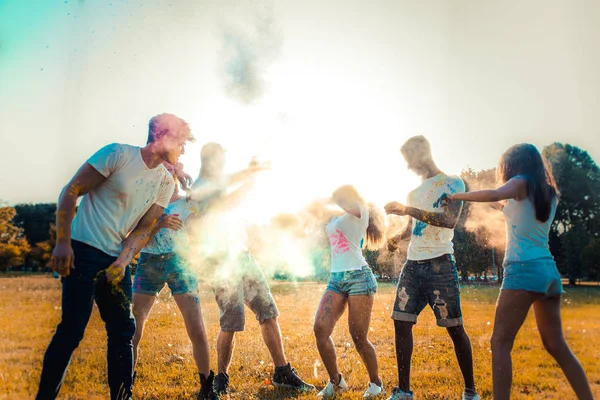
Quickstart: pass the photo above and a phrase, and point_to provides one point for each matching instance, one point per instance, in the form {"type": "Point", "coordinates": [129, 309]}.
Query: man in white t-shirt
{"type": "Point", "coordinates": [237, 278]}
{"type": "Point", "coordinates": [429, 276]}
{"type": "Point", "coordinates": [125, 189]}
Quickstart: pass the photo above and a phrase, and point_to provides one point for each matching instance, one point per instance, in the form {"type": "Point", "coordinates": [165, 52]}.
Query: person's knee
{"type": "Point", "coordinates": [403, 328]}
{"type": "Point", "coordinates": [360, 340]}
{"type": "Point", "coordinates": [70, 333]}
{"type": "Point", "coordinates": [500, 341]}
{"type": "Point", "coordinates": [554, 345]}
{"type": "Point", "coordinates": [197, 335]}
{"type": "Point", "coordinates": [457, 332]}
{"type": "Point", "coordinates": [320, 331]}
{"type": "Point", "coordinates": [122, 330]}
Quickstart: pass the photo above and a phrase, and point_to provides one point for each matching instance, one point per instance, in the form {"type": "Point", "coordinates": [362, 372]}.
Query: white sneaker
{"type": "Point", "coordinates": [467, 396]}
{"type": "Point", "coordinates": [330, 390]}
{"type": "Point", "coordinates": [373, 390]}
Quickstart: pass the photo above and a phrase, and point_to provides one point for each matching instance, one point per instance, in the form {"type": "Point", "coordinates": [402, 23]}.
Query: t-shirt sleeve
{"type": "Point", "coordinates": [457, 185]}
{"type": "Point", "coordinates": [166, 191]}
{"type": "Point", "coordinates": [108, 159]}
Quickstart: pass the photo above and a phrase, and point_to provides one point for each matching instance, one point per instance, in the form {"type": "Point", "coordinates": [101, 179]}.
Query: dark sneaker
{"type": "Point", "coordinates": [221, 384]}
{"type": "Point", "coordinates": [207, 391]}
{"type": "Point", "coordinates": [287, 377]}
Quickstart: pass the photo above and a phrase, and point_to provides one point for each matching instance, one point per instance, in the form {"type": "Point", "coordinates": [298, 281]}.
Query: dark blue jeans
{"type": "Point", "coordinates": [86, 283]}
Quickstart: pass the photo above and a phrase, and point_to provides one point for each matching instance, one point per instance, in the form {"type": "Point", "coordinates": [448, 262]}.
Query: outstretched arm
{"type": "Point", "coordinates": [87, 178]}
{"type": "Point", "coordinates": [445, 219]}
{"type": "Point", "coordinates": [515, 188]}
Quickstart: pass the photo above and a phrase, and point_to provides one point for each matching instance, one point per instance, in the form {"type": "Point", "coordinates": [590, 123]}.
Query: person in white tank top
{"type": "Point", "coordinates": [351, 283]}
{"type": "Point", "coordinates": [530, 274]}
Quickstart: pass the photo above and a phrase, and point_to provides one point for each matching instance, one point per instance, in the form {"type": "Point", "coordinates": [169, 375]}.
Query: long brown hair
{"type": "Point", "coordinates": [184, 179]}
{"type": "Point", "coordinates": [525, 159]}
{"type": "Point", "coordinates": [375, 236]}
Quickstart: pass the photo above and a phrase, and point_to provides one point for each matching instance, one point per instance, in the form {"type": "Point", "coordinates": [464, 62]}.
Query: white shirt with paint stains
{"type": "Point", "coordinates": [347, 236]}
{"type": "Point", "coordinates": [108, 213]}
{"type": "Point", "coordinates": [428, 241]}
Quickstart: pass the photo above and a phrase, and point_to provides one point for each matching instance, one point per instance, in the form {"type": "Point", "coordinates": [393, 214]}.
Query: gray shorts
{"type": "Point", "coordinates": [248, 287]}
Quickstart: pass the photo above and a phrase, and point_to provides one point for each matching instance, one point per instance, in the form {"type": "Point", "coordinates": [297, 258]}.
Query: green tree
{"type": "Point", "coordinates": [590, 258]}
{"type": "Point", "coordinates": [41, 252]}
{"type": "Point", "coordinates": [576, 222]}
{"type": "Point", "coordinates": [13, 245]}
{"type": "Point", "coordinates": [36, 220]}
{"type": "Point", "coordinates": [478, 229]}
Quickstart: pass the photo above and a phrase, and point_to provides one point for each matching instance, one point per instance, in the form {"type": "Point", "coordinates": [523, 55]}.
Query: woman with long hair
{"type": "Point", "coordinates": [351, 283]}
{"type": "Point", "coordinates": [161, 263]}
{"type": "Point", "coordinates": [530, 274]}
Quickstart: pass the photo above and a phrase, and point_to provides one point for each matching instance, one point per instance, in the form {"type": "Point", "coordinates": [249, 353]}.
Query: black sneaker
{"type": "Point", "coordinates": [207, 391]}
{"type": "Point", "coordinates": [287, 377]}
{"type": "Point", "coordinates": [221, 384]}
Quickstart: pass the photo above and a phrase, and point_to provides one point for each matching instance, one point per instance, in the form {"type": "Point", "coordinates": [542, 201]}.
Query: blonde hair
{"type": "Point", "coordinates": [375, 235]}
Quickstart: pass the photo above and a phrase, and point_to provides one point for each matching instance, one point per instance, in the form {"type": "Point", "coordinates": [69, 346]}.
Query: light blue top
{"type": "Point", "coordinates": [526, 237]}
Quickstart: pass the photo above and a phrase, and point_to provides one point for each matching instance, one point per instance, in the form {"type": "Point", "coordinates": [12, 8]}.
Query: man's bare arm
{"type": "Point", "coordinates": [405, 234]}
{"type": "Point", "coordinates": [135, 242]}
{"type": "Point", "coordinates": [445, 219]}
{"type": "Point", "coordinates": [85, 179]}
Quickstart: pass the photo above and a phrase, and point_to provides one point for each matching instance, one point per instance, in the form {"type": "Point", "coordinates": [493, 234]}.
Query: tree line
{"type": "Point", "coordinates": [28, 234]}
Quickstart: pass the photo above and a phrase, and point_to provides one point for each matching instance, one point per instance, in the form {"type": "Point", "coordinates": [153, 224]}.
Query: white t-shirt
{"type": "Point", "coordinates": [526, 237]}
{"type": "Point", "coordinates": [347, 236]}
{"type": "Point", "coordinates": [108, 213]}
{"type": "Point", "coordinates": [428, 241]}
{"type": "Point", "coordinates": [166, 240]}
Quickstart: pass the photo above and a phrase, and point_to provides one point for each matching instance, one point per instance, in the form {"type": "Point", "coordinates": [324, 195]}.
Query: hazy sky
{"type": "Point", "coordinates": [346, 83]}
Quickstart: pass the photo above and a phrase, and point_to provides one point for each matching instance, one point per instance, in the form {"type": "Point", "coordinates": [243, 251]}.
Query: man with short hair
{"type": "Point", "coordinates": [429, 275]}
{"type": "Point", "coordinates": [125, 189]}
{"type": "Point", "coordinates": [237, 279]}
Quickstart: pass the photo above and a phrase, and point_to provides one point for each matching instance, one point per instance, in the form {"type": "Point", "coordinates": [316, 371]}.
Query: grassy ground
{"type": "Point", "coordinates": [29, 312]}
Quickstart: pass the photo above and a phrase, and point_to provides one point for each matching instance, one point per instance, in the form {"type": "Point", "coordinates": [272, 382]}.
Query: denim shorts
{"type": "Point", "coordinates": [538, 276]}
{"type": "Point", "coordinates": [156, 270]}
{"type": "Point", "coordinates": [247, 286]}
{"type": "Point", "coordinates": [433, 282]}
{"type": "Point", "coordinates": [358, 282]}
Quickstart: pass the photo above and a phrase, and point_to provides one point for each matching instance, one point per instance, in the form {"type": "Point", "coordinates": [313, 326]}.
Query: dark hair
{"type": "Point", "coordinates": [525, 159]}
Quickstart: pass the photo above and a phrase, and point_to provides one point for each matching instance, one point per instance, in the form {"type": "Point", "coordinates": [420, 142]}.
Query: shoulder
{"type": "Point", "coordinates": [165, 176]}
{"type": "Point", "coordinates": [455, 182]}
{"type": "Point", "coordinates": [127, 148]}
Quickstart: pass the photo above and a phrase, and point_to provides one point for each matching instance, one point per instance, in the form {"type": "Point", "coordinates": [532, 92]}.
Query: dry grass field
{"type": "Point", "coordinates": [29, 312]}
